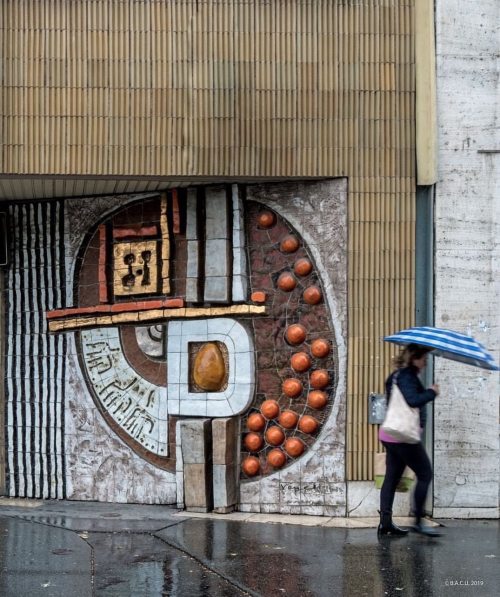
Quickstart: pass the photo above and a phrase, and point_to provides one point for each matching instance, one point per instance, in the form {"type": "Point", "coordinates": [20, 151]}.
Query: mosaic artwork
{"type": "Point", "coordinates": [198, 303]}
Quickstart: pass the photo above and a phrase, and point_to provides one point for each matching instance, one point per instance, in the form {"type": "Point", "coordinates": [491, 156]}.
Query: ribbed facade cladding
{"type": "Point", "coordinates": [236, 89]}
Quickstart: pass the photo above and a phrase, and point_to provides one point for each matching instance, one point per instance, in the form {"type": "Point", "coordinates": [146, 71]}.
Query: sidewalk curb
{"type": "Point", "coordinates": [313, 521]}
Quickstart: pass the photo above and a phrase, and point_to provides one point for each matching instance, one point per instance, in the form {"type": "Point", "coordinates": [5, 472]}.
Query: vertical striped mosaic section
{"type": "Point", "coordinates": [35, 360]}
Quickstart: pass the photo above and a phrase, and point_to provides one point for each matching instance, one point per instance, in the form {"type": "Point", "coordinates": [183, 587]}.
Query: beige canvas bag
{"type": "Point", "coordinates": [402, 422]}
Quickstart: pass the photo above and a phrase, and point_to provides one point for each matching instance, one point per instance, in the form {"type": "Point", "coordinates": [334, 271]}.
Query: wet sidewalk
{"type": "Point", "coordinates": [62, 549]}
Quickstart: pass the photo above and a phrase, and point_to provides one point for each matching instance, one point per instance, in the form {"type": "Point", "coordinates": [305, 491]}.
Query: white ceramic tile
{"type": "Point", "coordinates": [249, 492]}
{"type": "Point", "coordinates": [240, 288]}
{"type": "Point", "coordinates": [218, 408]}
{"type": "Point", "coordinates": [192, 408]}
{"type": "Point", "coordinates": [216, 224]}
{"type": "Point", "coordinates": [191, 215]}
{"type": "Point", "coordinates": [216, 288]}
{"type": "Point", "coordinates": [192, 268]}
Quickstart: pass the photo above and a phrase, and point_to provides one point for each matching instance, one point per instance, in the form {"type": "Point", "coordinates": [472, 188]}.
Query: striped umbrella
{"type": "Point", "coordinates": [447, 344]}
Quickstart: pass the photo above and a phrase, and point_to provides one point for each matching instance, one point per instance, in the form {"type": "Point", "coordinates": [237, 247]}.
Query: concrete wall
{"type": "Point", "coordinates": [466, 448]}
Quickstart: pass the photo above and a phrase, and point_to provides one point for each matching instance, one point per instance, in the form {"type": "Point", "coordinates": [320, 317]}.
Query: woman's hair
{"type": "Point", "coordinates": [408, 354]}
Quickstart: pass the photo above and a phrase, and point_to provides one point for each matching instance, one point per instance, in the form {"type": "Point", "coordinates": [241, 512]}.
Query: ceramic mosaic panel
{"type": "Point", "coordinates": [158, 288]}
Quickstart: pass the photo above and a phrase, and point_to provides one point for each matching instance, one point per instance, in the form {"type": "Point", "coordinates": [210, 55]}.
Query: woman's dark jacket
{"type": "Point", "coordinates": [412, 389]}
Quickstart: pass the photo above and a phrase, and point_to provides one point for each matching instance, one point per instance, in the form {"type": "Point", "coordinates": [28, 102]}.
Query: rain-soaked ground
{"type": "Point", "coordinates": [72, 549]}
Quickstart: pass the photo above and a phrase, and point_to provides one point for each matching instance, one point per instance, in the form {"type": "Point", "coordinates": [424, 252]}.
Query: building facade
{"type": "Point", "coordinates": [212, 212]}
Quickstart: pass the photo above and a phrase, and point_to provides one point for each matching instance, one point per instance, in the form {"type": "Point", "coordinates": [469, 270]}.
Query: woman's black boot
{"type": "Point", "coordinates": [387, 527]}
{"type": "Point", "coordinates": [423, 529]}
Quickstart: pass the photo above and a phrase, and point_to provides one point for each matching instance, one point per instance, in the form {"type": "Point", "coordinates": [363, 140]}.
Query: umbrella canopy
{"type": "Point", "coordinates": [447, 344]}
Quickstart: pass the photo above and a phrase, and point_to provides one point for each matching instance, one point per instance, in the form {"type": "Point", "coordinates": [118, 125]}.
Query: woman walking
{"type": "Point", "coordinates": [409, 365]}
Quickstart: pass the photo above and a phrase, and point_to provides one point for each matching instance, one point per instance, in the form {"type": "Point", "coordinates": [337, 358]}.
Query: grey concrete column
{"type": "Point", "coordinates": [196, 449]}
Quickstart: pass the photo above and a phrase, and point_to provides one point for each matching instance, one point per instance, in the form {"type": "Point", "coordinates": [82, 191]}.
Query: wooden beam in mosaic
{"type": "Point", "coordinates": [151, 316]}
{"type": "Point", "coordinates": [165, 245]}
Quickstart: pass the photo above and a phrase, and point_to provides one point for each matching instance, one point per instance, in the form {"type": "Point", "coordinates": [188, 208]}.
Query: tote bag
{"type": "Point", "coordinates": [402, 422]}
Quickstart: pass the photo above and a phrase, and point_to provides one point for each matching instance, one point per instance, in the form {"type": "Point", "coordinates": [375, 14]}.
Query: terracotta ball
{"type": "Point", "coordinates": [276, 458]}
{"type": "Point", "coordinates": [292, 387]}
{"type": "Point", "coordinates": [300, 362]}
{"type": "Point", "coordinates": [250, 466]}
{"type": "Point", "coordinates": [286, 282]}
{"type": "Point", "coordinates": [289, 244]}
{"type": "Point", "coordinates": [302, 267]}
{"type": "Point", "coordinates": [294, 446]}
{"type": "Point", "coordinates": [253, 441]}
{"type": "Point", "coordinates": [266, 219]}
{"type": "Point", "coordinates": [256, 422]}
{"type": "Point", "coordinates": [308, 424]}
{"type": "Point", "coordinates": [319, 379]}
{"type": "Point", "coordinates": [288, 419]}
{"type": "Point", "coordinates": [312, 295]}
{"type": "Point", "coordinates": [275, 436]}
{"type": "Point", "coordinates": [320, 348]}
{"type": "Point", "coordinates": [295, 334]}
{"type": "Point", "coordinates": [317, 399]}
{"type": "Point", "coordinates": [270, 409]}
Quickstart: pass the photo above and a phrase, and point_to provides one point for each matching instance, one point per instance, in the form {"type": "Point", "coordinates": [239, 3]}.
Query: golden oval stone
{"type": "Point", "coordinates": [209, 369]}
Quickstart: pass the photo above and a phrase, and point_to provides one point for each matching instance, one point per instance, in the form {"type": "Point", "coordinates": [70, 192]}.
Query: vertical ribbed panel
{"type": "Point", "coordinates": [236, 88]}
{"type": "Point", "coordinates": [381, 298]}
{"type": "Point", "coordinates": [219, 87]}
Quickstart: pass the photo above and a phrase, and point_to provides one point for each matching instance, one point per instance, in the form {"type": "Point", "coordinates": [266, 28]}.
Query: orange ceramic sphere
{"type": "Point", "coordinates": [289, 244]}
{"type": "Point", "coordinates": [288, 419]}
{"type": "Point", "coordinates": [308, 424]}
{"type": "Point", "coordinates": [258, 297]}
{"type": "Point", "coordinates": [250, 466]}
{"type": "Point", "coordinates": [312, 295]}
{"type": "Point", "coordinates": [286, 282]}
{"type": "Point", "coordinates": [292, 387]}
{"type": "Point", "coordinates": [270, 409]}
{"type": "Point", "coordinates": [317, 399]}
{"type": "Point", "coordinates": [256, 422]}
{"type": "Point", "coordinates": [266, 219]}
{"type": "Point", "coordinates": [294, 446]}
{"type": "Point", "coordinates": [295, 334]}
{"type": "Point", "coordinates": [300, 362]}
{"type": "Point", "coordinates": [302, 267]}
{"type": "Point", "coordinates": [319, 379]}
{"type": "Point", "coordinates": [276, 458]}
{"type": "Point", "coordinates": [320, 348]}
{"type": "Point", "coordinates": [253, 441]}
{"type": "Point", "coordinates": [275, 436]}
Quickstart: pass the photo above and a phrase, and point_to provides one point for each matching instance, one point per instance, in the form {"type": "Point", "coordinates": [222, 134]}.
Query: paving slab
{"type": "Point", "coordinates": [37, 559]}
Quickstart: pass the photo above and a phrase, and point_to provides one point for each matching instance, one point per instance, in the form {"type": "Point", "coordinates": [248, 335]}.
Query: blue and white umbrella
{"type": "Point", "coordinates": [447, 344]}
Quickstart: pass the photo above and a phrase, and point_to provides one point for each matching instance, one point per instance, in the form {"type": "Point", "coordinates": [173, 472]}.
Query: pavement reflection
{"type": "Point", "coordinates": [85, 549]}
